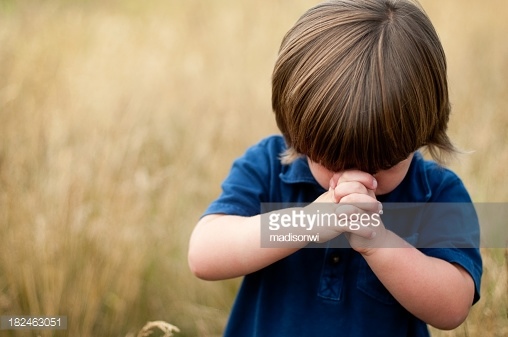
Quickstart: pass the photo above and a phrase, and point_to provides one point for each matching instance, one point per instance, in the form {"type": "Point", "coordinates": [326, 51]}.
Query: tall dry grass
{"type": "Point", "coordinates": [119, 119]}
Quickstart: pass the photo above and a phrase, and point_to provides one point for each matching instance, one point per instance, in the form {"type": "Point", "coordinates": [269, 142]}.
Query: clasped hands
{"type": "Point", "coordinates": [352, 192]}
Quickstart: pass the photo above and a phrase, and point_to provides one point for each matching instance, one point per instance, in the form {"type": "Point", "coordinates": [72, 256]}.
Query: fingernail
{"type": "Point", "coordinates": [374, 183]}
{"type": "Point", "coordinates": [380, 208]}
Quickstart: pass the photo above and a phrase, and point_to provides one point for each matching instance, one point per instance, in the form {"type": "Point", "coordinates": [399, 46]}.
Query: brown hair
{"type": "Point", "coordinates": [362, 84]}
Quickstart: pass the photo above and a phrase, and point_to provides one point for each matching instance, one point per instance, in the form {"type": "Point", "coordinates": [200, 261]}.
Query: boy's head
{"type": "Point", "coordinates": [361, 84]}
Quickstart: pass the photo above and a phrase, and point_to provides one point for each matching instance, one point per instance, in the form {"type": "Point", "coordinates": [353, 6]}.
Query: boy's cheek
{"type": "Point", "coordinates": [321, 174]}
{"type": "Point", "coordinates": [389, 180]}
{"type": "Point", "coordinates": [387, 184]}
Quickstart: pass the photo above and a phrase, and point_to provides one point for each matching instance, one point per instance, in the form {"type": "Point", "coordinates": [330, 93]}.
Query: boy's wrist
{"type": "Point", "coordinates": [369, 246]}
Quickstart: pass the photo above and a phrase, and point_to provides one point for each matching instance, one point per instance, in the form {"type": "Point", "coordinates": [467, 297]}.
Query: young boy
{"type": "Point", "coordinates": [358, 88]}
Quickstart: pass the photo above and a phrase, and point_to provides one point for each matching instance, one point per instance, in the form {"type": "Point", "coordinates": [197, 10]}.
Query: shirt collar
{"type": "Point", "coordinates": [297, 172]}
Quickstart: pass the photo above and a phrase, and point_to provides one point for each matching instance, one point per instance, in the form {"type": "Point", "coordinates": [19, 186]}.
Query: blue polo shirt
{"type": "Point", "coordinates": [326, 291]}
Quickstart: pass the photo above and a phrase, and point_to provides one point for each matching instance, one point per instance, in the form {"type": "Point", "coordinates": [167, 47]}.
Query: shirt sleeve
{"type": "Point", "coordinates": [451, 230]}
{"type": "Point", "coordinates": [249, 180]}
{"type": "Point", "coordinates": [467, 258]}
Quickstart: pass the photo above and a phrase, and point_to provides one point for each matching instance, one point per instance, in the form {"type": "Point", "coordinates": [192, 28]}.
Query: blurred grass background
{"type": "Point", "coordinates": [119, 119]}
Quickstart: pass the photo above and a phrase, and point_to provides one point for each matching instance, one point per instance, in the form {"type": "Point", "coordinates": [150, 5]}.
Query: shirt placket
{"type": "Point", "coordinates": [331, 282]}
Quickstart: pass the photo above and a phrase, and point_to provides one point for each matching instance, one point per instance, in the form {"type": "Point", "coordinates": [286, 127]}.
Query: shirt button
{"type": "Point", "coordinates": [334, 258]}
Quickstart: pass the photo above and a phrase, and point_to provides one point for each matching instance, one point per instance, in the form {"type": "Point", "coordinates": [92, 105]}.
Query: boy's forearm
{"type": "Point", "coordinates": [226, 246]}
{"type": "Point", "coordinates": [432, 289]}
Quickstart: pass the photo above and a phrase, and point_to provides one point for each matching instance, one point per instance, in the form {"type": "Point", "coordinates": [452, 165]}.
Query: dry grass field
{"type": "Point", "coordinates": [120, 118]}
